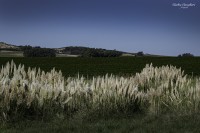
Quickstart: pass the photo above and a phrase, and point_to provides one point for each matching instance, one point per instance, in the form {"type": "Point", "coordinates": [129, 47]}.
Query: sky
{"type": "Point", "coordinates": [151, 26]}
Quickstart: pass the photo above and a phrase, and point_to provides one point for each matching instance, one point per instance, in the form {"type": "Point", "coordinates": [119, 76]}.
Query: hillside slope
{"type": "Point", "coordinates": [4, 45]}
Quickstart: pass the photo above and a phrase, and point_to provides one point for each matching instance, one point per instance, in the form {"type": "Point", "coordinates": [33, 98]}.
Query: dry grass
{"type": "Point", "coordinates": [155, 90]}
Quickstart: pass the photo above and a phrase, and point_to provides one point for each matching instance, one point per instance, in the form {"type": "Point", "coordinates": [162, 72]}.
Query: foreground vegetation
{"type": "Point", "coordinates": [133, 124]}
{"type": "Point", "coordinates": [100, 103]}
{"type": "Point", "coordinates": [156, 90]}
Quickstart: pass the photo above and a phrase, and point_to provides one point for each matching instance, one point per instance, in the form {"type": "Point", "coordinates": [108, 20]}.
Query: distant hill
{"type": "Point", "coordinates": [72, 51]}
{"type": "Point", "coordinates": [9, 50]}
{"type": "Point", "coordinates": [4, 45]}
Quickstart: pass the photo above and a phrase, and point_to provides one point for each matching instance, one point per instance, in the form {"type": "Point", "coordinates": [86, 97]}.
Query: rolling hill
{"type": "Point", "coordinates": [4, 45]}
{"type": "Point", "coordinates": [11, 50]}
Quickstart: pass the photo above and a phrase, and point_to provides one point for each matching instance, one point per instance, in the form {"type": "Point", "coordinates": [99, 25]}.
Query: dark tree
{"type": "Point", "coordinates": [186, 55]}
{"type": "Point", "coordinates": [140, 53]}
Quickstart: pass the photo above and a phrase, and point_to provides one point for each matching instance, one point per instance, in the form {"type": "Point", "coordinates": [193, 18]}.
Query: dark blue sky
{"type": "Point", "coordinates": [152, 26]}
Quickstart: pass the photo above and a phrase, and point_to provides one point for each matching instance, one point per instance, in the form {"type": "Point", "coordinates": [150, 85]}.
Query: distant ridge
{"type": "Point", "coordinates": [4, 45]}
{"type": "Point", "coordinates": [72, 50]}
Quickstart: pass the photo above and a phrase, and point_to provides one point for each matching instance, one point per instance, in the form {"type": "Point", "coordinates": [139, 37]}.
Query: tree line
{"type": "Point", "coordinates": [29, 51]}
{"type": "Point", "coordinates": [186, 55]}
{"type": "Point", "coordinates": [91, 52]}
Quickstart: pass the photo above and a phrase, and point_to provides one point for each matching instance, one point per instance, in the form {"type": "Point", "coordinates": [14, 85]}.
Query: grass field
{"type": "Point", "coordinates": [134, 124]}
{"type": "Point", "coordinates": [124, 66]}
{"type": "Point", "coordinates": [85, 122]}
{"type": "Point", "coordinates": [4, 53]}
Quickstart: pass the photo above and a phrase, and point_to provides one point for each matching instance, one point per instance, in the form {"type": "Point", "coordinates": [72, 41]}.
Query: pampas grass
{"type": "Point", "coordinates": [38, 94]}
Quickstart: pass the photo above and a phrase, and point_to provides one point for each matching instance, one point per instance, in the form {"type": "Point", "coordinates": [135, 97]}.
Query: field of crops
{"type": "Point", "coordinates": [125, 66]}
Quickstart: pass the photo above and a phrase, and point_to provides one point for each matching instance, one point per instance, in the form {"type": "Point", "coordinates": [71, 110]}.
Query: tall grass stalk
{"type": "Point", "coordinates": [38, 94]}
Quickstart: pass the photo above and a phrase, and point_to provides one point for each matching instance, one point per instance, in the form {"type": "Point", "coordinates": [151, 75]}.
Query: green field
{"type": "Point", "coordinates": [124, 66]}
{"type": "Point", "coordinates": [134, 124]}
{"type": "Point", "coordinates": [5, 53]}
